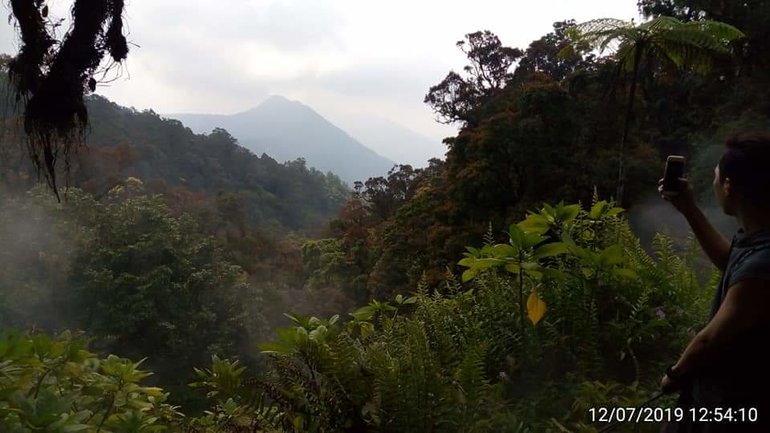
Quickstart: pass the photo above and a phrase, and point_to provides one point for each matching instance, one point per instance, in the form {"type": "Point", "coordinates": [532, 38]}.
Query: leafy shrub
{"type": "Point", "coordinates": [55, 385]}
{"type": "Point", "coordinates": [571, 313]}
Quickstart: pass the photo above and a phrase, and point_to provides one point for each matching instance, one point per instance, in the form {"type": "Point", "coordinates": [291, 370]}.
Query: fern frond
{"type": "Point", "coordinates": [489, 237]}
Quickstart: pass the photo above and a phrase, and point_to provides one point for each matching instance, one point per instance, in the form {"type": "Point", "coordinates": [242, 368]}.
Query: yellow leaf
{"type": "Point", "coordinates": [535, 308]}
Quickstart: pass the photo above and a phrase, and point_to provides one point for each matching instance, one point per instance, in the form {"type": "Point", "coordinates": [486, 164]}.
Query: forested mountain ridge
{"type": "Point", "coordinates": [287, 130]}
{"type": "Point", "coordinates": [123, 142]}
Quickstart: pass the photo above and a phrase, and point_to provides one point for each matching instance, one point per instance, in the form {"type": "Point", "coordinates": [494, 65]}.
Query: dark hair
{"type": "Point", "coordinates": [746, 161]}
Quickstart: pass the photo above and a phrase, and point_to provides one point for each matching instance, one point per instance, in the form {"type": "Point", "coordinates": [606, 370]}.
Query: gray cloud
{"type": "Point", "coordinates": [403, 81]}
{"type": "Point", "coordinates": [227, 55]}
{"type": "Point", "coordinates": [298, 26]}
{"type": "Point", "coordinates": [287, 25]}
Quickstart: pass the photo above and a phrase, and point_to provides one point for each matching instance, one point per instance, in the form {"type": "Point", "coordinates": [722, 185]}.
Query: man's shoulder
{"type": "Point", "coordinates": [749, 262]}
{"type": "Point", "coordinates": [750, 253]}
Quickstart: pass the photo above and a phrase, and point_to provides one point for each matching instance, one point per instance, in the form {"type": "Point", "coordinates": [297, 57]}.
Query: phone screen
{"type": "Point", "coordinates": [674, 170]}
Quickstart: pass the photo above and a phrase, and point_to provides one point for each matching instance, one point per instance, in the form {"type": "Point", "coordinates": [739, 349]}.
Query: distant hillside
{"type": "Point", "coordinates": [394, 141]}
{"type": "Point", "coordinates": [171, 159]}
{"type": "Point", "coordinates": [287, 130]}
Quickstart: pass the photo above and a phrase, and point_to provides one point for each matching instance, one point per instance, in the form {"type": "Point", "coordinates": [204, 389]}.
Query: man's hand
{"type": "Point", "coordinates": [668, 386]}
{"type": "Point", "coordinates": [684, 201]}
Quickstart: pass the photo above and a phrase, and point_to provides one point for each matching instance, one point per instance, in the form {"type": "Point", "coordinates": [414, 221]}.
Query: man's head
{"type": "Point", "coordinates": [742, 177]}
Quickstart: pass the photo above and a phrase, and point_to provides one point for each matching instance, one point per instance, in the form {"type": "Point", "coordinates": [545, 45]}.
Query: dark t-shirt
{"type": "Point", "coordinates": [739, 376]}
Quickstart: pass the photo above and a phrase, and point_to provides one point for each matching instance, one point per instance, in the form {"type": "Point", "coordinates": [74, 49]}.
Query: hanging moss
{"type": "Point", "coordinates": [52, 82]}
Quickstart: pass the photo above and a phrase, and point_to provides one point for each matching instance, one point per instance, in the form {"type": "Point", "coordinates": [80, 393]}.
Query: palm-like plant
{"type": "Point", "coordinates": [685, 45]}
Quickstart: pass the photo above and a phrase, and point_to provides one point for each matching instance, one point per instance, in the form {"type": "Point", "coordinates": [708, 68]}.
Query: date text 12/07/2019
{"type": "Point", "coordinates": [675, 414]}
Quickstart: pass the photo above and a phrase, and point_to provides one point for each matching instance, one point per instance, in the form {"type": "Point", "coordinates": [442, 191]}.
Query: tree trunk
{"type": "Point", "coordinates": [627, 124]}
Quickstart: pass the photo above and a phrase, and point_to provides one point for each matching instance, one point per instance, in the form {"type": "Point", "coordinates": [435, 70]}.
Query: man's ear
{"type": "Point", "coordinates": [727, 187]}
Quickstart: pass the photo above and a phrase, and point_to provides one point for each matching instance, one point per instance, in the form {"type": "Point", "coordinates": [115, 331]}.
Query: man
{"type": "Point", "coordinates": [726, 367]}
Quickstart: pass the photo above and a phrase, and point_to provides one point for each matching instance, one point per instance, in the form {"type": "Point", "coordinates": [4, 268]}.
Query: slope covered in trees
{"type": "Point", "coordinates": [170, 159]}
{"type": "Point", "coordinates": [466, 322]}
{"type": "Point", "coordinates": [542, 124]}
{"type": "Point", "coordinates": [287, 130]}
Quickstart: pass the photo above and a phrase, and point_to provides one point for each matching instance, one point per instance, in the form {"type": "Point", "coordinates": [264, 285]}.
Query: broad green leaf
{"type": "Point", "coordinates": [597, 209]}
{"type": "Point", "coordinates": [611, 255]}
{"type": "Point", "coordinates": [467, 262]}
{"type": "Point", "coordinates": [536, 274]}
{"type": "Point", "coordinates": [581, 252]}
{"type": "Point", "coordinates": [569, 213]}
{"type": "Point", "coordinates": [503, 250]}
{"type": "Point", "coordinates": [532, 239]}
{"type": "Point", "coordinates": [154, 391]}
{"type": "Point", "coordinates": [42, 344]}
{"type": "Point", "coordinates": [486, 263]}
{"type": "Point", "coordinates": [549, 250]}
{"type": "Point", "coordinates": [364, 313]}
{"type": "Point", "coordinates": [469, 274]}
{"type": "Point", "coordinates": [548, 212]}
{"type": "Point", "coordinates": [554, 273]}
{"type": "Point", "coordinates": [381, 306]}
{"type": "Point", "coordinates": [626, 272]}
{"type": "Point", "coordinates": [367, 329]}
{"type": "Point", "coordinates": [513, 268]}
{"type": "Point", "coordinates": [516, 236]}
{"type": "Point", "coordinates": [410, 300]}
{"type": "Point", "coordinates": [535, 223]}
{"type": "Point", "coordinates": [318, 333]}
{"type": "Point", "coordinates": [566, 238]}
{"type": "Point", "coordinates": [535, 308]}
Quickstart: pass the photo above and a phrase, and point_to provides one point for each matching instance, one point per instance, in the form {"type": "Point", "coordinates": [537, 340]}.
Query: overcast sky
{"type": "Point", "coordinates": [341, 57]}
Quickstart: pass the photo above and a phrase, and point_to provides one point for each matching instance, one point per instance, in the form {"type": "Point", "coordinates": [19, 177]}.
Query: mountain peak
{"type": "Point", "coordinates": [277, 104]}
{"type": "Point", "coordinates": [286, 130]}
{"type": "Point", "coordinates": [279, 101]}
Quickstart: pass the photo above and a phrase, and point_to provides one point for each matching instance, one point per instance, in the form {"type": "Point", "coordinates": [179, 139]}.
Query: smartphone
{"type": "Point", "coordinates": [674, 170]}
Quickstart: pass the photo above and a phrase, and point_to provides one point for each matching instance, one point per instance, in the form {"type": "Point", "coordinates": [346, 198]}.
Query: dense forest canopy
{"type": "Point", "coordinates": [500, 288]}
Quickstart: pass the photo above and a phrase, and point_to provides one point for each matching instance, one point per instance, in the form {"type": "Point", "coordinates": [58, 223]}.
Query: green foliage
{"type": "Point", "coordinates": [147, 283]}
{"type": "Point", "coordinates": [683, 44]}
{"type": "Point", "coordinates": [55, 385]}
{"type": "Point", "coordinates": [172, 160]}
{"type": "Point", "coordinates": [140, 280]}
{"type": "Point", "coordinates": [662, 41]}
{"type": "Point", "coordinates": [527, 137]}
{"type": "Point", "coordinates": [462, 361]}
